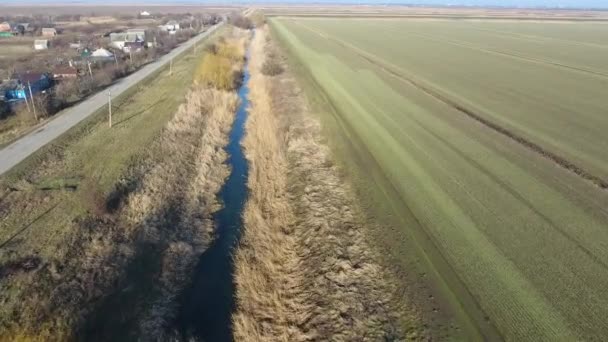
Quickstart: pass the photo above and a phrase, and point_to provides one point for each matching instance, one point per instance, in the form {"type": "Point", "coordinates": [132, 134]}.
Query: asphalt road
{"type": "Point", "coordinates": [16, 152]}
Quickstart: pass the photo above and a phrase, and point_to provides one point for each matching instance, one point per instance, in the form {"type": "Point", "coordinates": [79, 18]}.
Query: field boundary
{"type": "Point", "coordinates": [389, 68]}
{"type": "Point", "coordinates": [436, 17]}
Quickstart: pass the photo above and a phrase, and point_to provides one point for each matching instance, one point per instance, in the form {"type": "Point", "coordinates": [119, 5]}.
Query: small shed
{"type": "Point", "coordinates": [41, 44]}
{"type": "Point", "coordinates": [49, 32]}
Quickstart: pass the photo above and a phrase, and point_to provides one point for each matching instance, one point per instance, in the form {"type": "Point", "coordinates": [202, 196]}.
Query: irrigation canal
{"type": "Point", "coordinates": [206, 308]}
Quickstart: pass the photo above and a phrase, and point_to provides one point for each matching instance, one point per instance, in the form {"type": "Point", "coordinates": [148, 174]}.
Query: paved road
{"type": "Point", "coordinates": [14, 153]}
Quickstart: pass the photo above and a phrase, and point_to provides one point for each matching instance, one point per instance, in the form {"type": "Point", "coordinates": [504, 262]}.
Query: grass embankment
{"type": "Point", "coordinates": [303, 268]}
{"type": "Point", "coordinates": [109, 220]}
{"type": "Point", "coordinates": [518, 240]}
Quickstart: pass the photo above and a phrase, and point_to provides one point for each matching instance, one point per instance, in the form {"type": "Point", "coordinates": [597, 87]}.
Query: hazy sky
{"type": "Point", "coordinates": [514, 3]}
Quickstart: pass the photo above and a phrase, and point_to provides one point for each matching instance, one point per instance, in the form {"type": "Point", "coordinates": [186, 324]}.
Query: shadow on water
{"type": "Point", "coordinates": [207, 307]}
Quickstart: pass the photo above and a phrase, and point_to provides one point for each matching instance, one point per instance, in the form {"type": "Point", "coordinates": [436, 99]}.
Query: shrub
{"type": "Point", "coordinates": [43, 105]}
{"type": "Point", "coordinates": [67, 91]}
{"type": "Point", "coordinates": [216, 71]}
{"type": "Point", "coordinates": [94, 198]}
{"type": "Point", "coordinates": [5, 110]}
{"type": "Point", "coordinates": [211, 48]}
{"type": "Point", "coordinates": [258, 19]}
{"type": "Point", "coordinates": [229, 51]}
{"type": "Point", "coordinates": [25, 115]}
{"type": "Point", "coordinates": [241, 21]}
{"type": "Point", "coordinates": [271, 68]}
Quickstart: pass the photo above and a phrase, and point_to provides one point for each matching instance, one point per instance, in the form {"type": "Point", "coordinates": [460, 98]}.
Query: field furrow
{"type": "Point", "coordinates": [465, 76]}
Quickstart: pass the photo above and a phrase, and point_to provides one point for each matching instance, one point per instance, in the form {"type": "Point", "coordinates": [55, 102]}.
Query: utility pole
{"type": "Point", "coordinates": [26, 101]}
{"type": "Point", "coordinates": [110, 108]}
{"type": "Point", "coordinates": [115, 59]}
{"type": "Point", "coordinates": [32, 97]}
{"type": "Point", "coordinates": [171, 67]}
{"type": "Point", "coordinates": [90, 71]}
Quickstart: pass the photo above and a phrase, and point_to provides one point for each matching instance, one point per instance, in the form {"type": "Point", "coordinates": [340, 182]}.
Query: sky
{"type": "Point", "coordinates": [507, 3]}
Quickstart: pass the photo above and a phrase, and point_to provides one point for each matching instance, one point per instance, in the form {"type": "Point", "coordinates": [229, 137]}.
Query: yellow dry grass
{"type": "Point", "coordinates": [221, 68]}
{"type": "Point", "coordinates": [304, 270]}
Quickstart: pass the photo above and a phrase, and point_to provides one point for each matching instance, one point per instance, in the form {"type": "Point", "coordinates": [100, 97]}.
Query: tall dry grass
{"type": "Point", "coordinates": [267, 277]}
{"type": "Point", "coordinates": [304, 270]}
{"type": "Point", "coordinates": [186, 228]}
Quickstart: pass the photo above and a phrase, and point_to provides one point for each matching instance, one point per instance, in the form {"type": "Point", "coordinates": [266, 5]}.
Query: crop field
{"type": "Point", "coordinates": [488, 139]}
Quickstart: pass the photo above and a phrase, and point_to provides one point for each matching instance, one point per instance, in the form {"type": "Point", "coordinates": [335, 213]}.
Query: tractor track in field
{"type": "Point", "coordinates": [391, 69]}
{"type": "Point", "coordinates": [536, 38]}
{"type": "Point", "coordinates": [541, 61]}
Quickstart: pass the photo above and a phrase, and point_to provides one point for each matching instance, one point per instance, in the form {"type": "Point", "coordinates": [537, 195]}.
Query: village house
{"type": "Point", "coordinates": [118, 40]}
{"type": "Point", "coordinates": [61, 73]}
{"type": "Point", "coordinates": [101, 55]}
{"type": "Point", "coordinates": [49, 32]}
{"type": "Point", "coordinates": [41, 44]}
{"type": "Point", "coordinates": [19, 87]}
{"type": "Point", "coordinates": [171, 26]}
{"type": "Point", "coordinates": [6, 27]}
{"type": "Point", "coordinates": [133, 47]}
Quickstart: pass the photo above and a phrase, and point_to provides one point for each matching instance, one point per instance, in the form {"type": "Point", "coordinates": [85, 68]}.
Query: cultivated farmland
{"type": "Point", "coordinates": [487, 139]}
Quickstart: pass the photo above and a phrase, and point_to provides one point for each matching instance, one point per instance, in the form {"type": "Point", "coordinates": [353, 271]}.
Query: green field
{"type": "Point", "coordinates": [488, 139]}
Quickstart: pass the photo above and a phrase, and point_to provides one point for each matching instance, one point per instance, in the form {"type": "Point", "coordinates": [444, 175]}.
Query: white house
{"type": "Point", "coordinates": [118, 40]}
{"type": "Point", "coordinates": [41, 44]}
{"type": "Point", "coordinates": [170, 26]}
{"type": "Point", "coordinates": [144, 14]}
{"type": "Point", "coordinates": [101, 52]}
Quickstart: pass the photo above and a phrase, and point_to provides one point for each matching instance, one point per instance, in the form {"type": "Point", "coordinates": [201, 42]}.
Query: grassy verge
{"type": "Point", "coordinates": [69, 228]}
{"type": "Point", "coordinates": [305, 269]}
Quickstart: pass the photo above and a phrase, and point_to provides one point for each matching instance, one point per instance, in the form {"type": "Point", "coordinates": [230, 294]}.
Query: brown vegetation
{"type": "Point", "coordinates": [304, 270]}
{"type": "Point", "coordinates": [174, 204]}
{"type": "Point", "coordinates": [240, 21]}
{"type": "Point", "coordinates": [272, 67]}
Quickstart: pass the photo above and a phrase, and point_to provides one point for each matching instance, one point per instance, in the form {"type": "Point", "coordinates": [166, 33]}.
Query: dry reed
{"type": "Point", "coordinates": [304, 270]}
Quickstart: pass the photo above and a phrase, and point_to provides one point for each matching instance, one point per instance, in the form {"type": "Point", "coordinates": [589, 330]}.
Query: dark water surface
{"type": "Point", "coordinates": [207, 306]}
